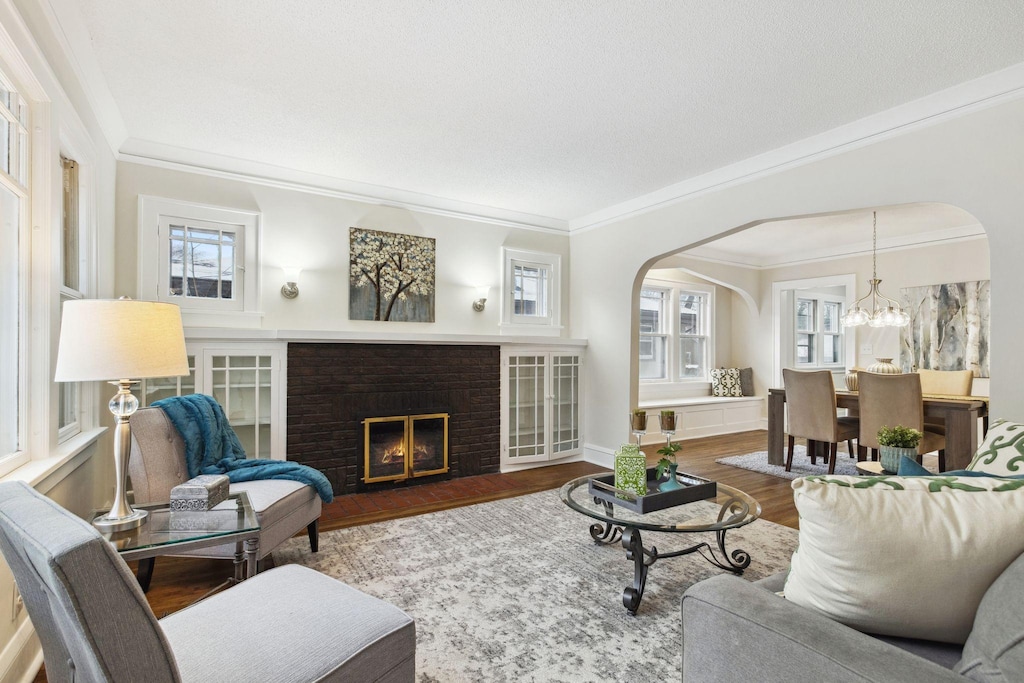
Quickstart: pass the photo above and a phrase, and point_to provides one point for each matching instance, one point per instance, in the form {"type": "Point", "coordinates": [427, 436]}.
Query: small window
{"type": "Point", "coordinates": [674, 346]}
{"type": "Point", "coordinates": [72, 288]}
{"type": "Point", "coordinates": [203, 258]}
{"type": "Point", "coordinates": [531, 286]}
{"type": "Point", "coordinates": [693, 335]}
{"type": "Point", "coordinates": [818, 333]}
{"type": "Point", "coordinates": [653, 339]}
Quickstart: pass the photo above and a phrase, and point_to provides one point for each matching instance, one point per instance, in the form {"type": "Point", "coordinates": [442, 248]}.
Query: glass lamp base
{"type": "Point", "coordinates": [108, 524]}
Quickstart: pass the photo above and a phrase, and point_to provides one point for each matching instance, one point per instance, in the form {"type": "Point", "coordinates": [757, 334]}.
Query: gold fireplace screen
{"type": "Point", "coordinates": [404, 446]}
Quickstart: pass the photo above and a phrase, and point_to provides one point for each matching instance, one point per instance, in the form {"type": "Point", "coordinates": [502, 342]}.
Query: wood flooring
{"type": "Point", "coordinates": [178, 582]}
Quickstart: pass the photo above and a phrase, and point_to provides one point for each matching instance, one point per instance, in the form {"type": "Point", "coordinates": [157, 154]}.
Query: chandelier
{"type": "Point", "coordinates": [885, 312]}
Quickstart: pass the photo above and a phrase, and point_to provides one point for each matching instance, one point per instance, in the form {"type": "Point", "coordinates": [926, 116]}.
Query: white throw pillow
{"type": "Point", "coordinates": [903, 556]}
{"type": "Point", "coordinates": [1002, 451]}
{"type": "Point", "coordinates": [726, 382]}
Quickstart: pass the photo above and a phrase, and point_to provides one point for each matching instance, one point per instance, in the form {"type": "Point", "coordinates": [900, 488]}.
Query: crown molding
{"type": "Point", "coordinates": [76, 44]}
{"type": "Point", "coordinates": [959, 100]}
{"type": "Point", "coordinates": [158, 155]}
{"type": "Point", "coordinates": [901, 243]}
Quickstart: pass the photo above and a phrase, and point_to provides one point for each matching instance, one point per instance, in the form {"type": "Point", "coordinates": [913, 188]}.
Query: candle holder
{"type": "Point", "coordinates": [638, 424]}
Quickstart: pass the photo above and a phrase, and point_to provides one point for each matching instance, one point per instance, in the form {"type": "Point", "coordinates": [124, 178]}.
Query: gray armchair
{"type": "Point", "coordinates": [286, 625]}
{"type": "Point", "coordinates": [157, 465]}
{"type": "Point", "coordinates": [734, 630]}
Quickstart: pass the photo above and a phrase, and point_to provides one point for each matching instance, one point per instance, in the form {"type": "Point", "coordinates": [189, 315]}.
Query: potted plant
{"type": "Point", "coordinates": [894, 443]}
{"type": "Point", "coordinates": [668, 464]}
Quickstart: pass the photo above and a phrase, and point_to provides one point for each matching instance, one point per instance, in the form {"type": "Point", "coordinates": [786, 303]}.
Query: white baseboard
{"type": "Point", "coordinates": [520, 466]}
{"type": "Point", "coordinates": [599, 455]}
{"type": "Point", "coordinates": [22, 658]}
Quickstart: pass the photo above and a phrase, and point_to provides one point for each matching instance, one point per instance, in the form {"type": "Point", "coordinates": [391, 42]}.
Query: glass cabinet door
{"type": "Point", "coordinates": [242, 386]}
{"type": "Point", "coordinates": [156, 388]}
{"type": "Point", "coordinates": [526, 408]}
{"type": "Point", "coordinates": [565, 389]}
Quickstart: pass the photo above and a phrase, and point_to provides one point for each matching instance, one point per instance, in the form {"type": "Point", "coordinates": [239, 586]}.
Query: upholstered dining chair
{"type": "Point", "coordinates": [286, 625]}
{"type": "Point", "coordinates": [890, 400]}
{"type": "Point", "coordinates": [945, 383]}
{"type": "Point", "coordinates": [157, 464]}
{"type": "Point", "coordinates": [811, 403]}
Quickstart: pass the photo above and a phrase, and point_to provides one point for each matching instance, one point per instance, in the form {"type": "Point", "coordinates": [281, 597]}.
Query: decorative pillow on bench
{"type": "Point", "coordinates": [725, 382]}
{"type": "Point", "coordinates": [908, 557]}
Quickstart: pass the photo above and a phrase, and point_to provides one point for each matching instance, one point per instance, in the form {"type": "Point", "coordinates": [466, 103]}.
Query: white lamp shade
{"type": "Point", "coordinates": [291, 273]}
{"type": "Point", "coordinates": [103, 339]}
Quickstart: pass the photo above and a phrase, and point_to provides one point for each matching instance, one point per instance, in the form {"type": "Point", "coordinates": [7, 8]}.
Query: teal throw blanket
{"type": "Point", "coordinates": [212, 447]}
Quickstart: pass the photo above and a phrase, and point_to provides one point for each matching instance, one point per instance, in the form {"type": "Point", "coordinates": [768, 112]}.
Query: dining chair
{"type": "Point", "coordinates": [945, 383]}
{"type": "Point", "coordinates": [890, 400]}
{"type": "Point", "coordinates": [811, 400]}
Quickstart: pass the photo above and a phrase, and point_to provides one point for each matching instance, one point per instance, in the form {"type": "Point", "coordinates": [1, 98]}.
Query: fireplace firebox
{"type": "Point", "coordinates": [403, 446]}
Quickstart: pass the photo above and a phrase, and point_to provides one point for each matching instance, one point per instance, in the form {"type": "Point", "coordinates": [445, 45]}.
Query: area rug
{"type": "Point", "coordinates": [516, 590]}
{"type": "Point", "coordinates": [802, 466]}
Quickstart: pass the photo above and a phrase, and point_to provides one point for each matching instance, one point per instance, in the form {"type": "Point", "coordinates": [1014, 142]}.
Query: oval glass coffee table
{"type": "Point", "coordinates": [731, 509]}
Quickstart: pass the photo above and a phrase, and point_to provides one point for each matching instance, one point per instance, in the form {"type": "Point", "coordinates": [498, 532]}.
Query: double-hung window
{"type": "Point", "coordinates": [818, 332]}
{"type": "Point", "coordinates": [14, 259]}
{"type": "Point", "coordinates": [675, 332]}
{"type": "Point", "coordinates": [72, 287]}
{"type": "Point", "coordinates": [653, 333]}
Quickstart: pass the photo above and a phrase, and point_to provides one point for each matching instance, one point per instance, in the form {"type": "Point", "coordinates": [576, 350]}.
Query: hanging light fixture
{"type": "Point", "coordinates": [885, 312]}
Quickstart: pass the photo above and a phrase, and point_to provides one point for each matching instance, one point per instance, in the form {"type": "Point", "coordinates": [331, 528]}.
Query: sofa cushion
{"type": "Point", "coordinates": [906, 557]}
{"type": "Point", "coordinates": [1002, 451]}
{"type": "Point", "coordinates": [995, 649]}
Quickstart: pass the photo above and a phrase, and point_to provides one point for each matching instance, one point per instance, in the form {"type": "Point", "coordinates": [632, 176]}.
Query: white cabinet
{"type": "Point", "coordinates": [541, 402]}
{"type": "Point", "coordinates": [247, 379]}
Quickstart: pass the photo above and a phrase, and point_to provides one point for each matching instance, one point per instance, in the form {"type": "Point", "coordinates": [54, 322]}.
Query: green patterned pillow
{"type": "Point", "coordinates": [1002, 451]}
{"type": "Point", "coordinates": [726, 382]}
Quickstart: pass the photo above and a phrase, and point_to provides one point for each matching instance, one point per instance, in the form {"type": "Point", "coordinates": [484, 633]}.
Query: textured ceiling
{"type": "Point", "coordinates": [555, 108]}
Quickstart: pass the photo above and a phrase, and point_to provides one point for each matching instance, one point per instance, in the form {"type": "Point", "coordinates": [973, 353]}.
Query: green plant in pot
{"type": "Point", "coordinates": [894, 443]}
{"type": "Point", "coordinates": [668, 464]}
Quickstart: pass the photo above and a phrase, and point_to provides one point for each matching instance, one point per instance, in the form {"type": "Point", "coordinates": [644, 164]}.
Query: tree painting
{"type": "Point", "coordinates": [391, 276]}
{"type": "Point", "coordinates": [949, 327]}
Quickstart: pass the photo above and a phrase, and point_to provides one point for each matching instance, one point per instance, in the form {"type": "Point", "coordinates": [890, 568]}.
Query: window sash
{"type": "Point", "coordinates": [216, 284]}
{"type": "Point", "coordinates": [530, 291]}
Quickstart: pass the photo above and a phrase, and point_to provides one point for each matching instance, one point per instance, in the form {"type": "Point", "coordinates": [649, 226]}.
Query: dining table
{"type": "Point", "coordinates": [961, 415]}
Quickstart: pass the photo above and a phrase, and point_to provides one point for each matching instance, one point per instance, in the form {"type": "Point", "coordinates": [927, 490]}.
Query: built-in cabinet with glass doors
{"type": "Point", "coordinates": [248, 382]}
{"type": "Point", "coordinates": [541, 405]}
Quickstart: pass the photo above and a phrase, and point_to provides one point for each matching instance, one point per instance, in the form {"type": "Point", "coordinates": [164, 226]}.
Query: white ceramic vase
{"type": "Point", "coordinates": [884, 366]}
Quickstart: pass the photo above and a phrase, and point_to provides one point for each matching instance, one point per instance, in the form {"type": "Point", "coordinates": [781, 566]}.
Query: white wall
{"type": "Point", "coordinates": [312, 231]}
{"type": "Point", "coordinates": [972, 162]}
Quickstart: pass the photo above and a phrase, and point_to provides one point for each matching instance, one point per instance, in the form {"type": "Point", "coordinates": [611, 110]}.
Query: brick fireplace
{"type": "Point", "coordinates": [334, 388]}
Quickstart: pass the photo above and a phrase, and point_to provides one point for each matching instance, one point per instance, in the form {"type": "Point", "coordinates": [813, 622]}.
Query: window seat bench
{"type": "Point", "coordinates": [698, 416]}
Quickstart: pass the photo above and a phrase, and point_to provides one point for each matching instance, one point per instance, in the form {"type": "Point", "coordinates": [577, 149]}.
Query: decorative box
{"type": "Point", "coordinates": [200, 493]}
{"type": "Point", "coordinates": [693, 488]}
{"type": "Point", "coordinates": [631, 469]}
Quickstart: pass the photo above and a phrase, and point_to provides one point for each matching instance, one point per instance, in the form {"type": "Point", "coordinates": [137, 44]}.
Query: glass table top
{"type": "Point", "coordinates": [164, 527]}
{"type": "Point", "coordinates": [732, 508]}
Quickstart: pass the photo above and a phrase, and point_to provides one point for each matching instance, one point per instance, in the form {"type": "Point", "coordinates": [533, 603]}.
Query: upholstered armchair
{"type": "Point", "coordinates": [286, 625]}
{"type": "Point", "coordinates": [157, 465]}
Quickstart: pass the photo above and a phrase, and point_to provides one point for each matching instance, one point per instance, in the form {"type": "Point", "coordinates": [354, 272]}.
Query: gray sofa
{"type": "Point", "coordinates": [734, 630]}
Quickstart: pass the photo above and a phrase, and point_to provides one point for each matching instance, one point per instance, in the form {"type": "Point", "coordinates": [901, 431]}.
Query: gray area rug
{"type": "Point", "coordinates": [516, 590]}
{"type": "Point", "coordinates": [802, 466]}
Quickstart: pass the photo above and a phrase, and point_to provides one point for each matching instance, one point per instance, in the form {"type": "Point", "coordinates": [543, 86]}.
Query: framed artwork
{"type": "Point", "coordinates": [391, 276]}
{"type": "Point", "coordinates": [949, 327]}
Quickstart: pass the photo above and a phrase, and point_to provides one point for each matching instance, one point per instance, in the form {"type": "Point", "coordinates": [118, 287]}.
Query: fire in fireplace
{"type": "Point", "coordinates": [404, 446]}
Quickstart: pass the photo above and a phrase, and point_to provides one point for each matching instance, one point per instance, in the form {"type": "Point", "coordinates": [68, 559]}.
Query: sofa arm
{"type": "Point", "coordinates": [735, 631]}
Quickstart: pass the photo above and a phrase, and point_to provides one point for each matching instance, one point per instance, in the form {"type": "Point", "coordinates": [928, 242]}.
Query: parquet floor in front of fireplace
{"type": "Point", "coordinates": [178, 582]}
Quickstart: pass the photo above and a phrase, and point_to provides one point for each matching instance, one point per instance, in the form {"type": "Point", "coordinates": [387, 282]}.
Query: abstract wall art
{"type": "Point", "coordinates": [391, 276]}
{"type": "Point", "coordinates": [949, 327]}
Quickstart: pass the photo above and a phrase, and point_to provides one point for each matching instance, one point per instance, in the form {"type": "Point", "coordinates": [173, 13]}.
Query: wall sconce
{"type": "Point", "coordinates": [481, 298]}
{"type": "Point", "coordinates": [290, 288]}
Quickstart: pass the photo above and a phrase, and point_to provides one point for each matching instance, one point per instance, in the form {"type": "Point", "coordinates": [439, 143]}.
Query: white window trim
{"type": "Point", "coordinates": [543, 325]}
{"type": "Point", "coordinates": [673, 386]}
{"type": "Point", "coordinates": [151, 209]}
{"type": "Point", "coordinates": [662, 332]}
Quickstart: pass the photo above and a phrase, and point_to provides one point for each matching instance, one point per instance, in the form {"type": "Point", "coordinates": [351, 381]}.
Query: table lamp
{"type": "Point", "coordinates": [121, 341]}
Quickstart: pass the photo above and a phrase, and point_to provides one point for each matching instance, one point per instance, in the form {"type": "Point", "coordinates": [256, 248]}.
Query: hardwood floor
{"type": "Point", "coordinates": [178, 582]}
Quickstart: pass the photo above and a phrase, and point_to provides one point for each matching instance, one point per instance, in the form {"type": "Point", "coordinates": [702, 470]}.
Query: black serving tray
{"type": "Point", "coordinates": [694, 488]}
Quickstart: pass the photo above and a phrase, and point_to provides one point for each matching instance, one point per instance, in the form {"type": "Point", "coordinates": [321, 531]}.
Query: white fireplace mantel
{"type": "Point", "coordinates": [367, 337]}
